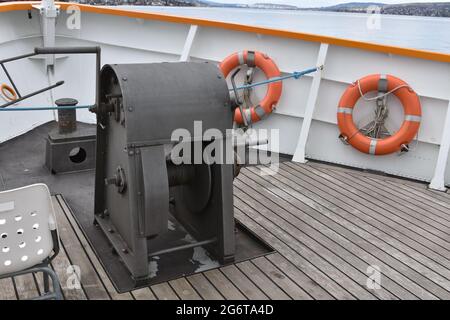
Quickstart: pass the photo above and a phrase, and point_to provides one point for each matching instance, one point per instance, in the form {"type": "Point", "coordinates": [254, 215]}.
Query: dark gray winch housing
{"type": "Point", "coordinates": [138, 189]}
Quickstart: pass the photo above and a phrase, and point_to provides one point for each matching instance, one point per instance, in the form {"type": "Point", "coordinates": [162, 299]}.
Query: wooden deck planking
{"type": "Point", "coordinates": [184, 290]}
{"type": "Point", "coordinates": [378, 212]}
{"type": "Point", "coordinates": [90, 280]}
{"type": "Point", "coordinates": [262, 281]}
{"type": "Point", "coordinates": [424, 195]}
{"type": "Point", "coordinates": [7, 291]}
{"type": "Point", "coordinates": [223, 285]}
{"type": "Point", "coordinates": [69, 281]}
{"type": "Point", "coordinates": [318, 277]}
{"type": "Point", "coordinates": [327, 224]}
{"type": "Point", "coordinates": [92, 257]}
{"type": "Point", "coordinates": [280, 279]}
{"type": "Point", "coordinates": [384, 242]}
{"type": "Point", "coordinates": [426, 266]}
{"type": "Point", "coordinates": [204, 287]}
{"type": "Point", "coordinates": [395, 206]}
{"type": "Point", "coordinates": [143, 294]}
{"type": "Point", "coordinates": [26, 287]}
{"type": "Point", "coordinates": [304, 247]}
{"type": "Point", "coordinates": [326, 213]}
{"type": "Point", "coordinates": [163, 291]}
{"type": "Point", "coordinates": [317, 242]}
{"type": "Point", "coordinates": [391, 230]}
{"type": "Point", "coordinates": [244, 284]}
{"type": "Point", "coordinates": [425, 213]}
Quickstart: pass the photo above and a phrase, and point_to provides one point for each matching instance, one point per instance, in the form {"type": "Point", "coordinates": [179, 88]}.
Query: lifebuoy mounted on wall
{"type": "Point", "coordinates": [270, 69]}
{"type": "Point", "coordinates": [387, 84]}
{"type": "Point", "coordinates": [8, 93]}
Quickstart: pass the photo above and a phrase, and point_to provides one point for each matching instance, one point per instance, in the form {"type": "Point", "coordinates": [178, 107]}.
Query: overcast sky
{"type": "Point", "coordinates": [319, 3]}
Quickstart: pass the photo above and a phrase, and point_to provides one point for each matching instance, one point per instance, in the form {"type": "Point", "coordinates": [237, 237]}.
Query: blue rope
{"type": "Point", "coordinates": [44, 108]}
{"type": "Point", "coordinates": [295, 75]}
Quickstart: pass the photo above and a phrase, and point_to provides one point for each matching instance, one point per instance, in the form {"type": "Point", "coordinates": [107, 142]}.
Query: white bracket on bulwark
{"type": "Point", "coordinates": [438, 180]}
{"type": "Point", "coordinates": [49, 12]}
{"type": "Point", "coordinates": [300, 151]}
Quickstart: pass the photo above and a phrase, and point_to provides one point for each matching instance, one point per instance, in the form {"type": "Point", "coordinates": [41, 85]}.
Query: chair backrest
{"type": "Point", "coordinates": [26, 220]}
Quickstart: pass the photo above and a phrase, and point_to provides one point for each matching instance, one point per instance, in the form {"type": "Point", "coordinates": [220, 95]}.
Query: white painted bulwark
{"type": "Point", "coordinates": [306, 113]}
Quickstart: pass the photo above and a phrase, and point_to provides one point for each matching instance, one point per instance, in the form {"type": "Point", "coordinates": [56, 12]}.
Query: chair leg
{"type": "Point", "coordinates": [55, 281]}
{"type": "Point", "coordinates": [46, 282]}
{"type": "Point", "coordinates": [47, 274]}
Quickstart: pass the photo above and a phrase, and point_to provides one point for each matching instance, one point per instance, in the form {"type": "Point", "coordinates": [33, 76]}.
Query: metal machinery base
{"type": "Point", "coordinates": [71, 152]}
{"type": "Point", "coordinates": [173, 265]}
{"type": "Point", "coordinates": [77, 189]}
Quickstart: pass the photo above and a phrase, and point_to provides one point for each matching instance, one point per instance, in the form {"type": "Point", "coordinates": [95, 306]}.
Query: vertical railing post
{"type": "Point", "coordinates": [188, 43]}
{"type": "Point", "coordinates": [299, 155]}
{"type": "Point", "coordinates": [49, 12]}
{"type": "Point", "coordinates": [438, 180]}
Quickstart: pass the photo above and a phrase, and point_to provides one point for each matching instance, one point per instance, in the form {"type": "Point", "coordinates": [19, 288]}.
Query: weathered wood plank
{"type": "Point", "coordinates": [372, 210]}
{"type": "Point", "coordinates": [435, 270]}
{"type": "Point", "coordinates": [375, 223]}
{"type": "Point", "coordinates": [425, 195]}
{"type": "Point", "coordinates": [26, 287]}
{"type": "Point", "coordinates": [68, 278]}
{"type": "Point", "coordinates": [399, 206]}
{"type": "Point", "coordinates": [435, 194]}
{"type": "Point", "coordinates": [436, 211]}
{"type": "Point", "coordinates": [7, 291]}
{"type": "Point", "coordinates": [320, 254]}
{"type": "Point", "coordinates": [326, 213]}
{"type": "Point", "coordinates": [164, 292]}
{"type": "Point", "coordinates": [223, 285]}
{"type": "Point", "coordinates": [143, 294]}
{"type": "Point", "coordinates": [435, 216]}
{"type": "Point", "coordinates": [262, 281]}
{"type": "Point", "coordinates": [90, 280]}
{"type": "Point", "coordinates": [184, 290]}
{"type": "Point", "coordinates": [259, 214]}
{"type": "Point", "coordinates": [280, 279]}
{"type": "Point", "coordinates": [330, 167]}
{"type": "Point", "coordinates": [309, 285]}
{"type": "Point", "coordinates": [92, 256]}
{"type": "Point", "coordinates": [321, 233]}
{"type": "Point", "coordinates": [246, 286]}
{"type": "Point", "coordinates": [309, 269]}
{"type": "Point", "coordinates": [204, 287]}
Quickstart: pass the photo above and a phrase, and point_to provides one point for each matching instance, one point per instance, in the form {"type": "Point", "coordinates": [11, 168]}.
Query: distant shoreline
{"type": "Point", "coordinates": [437, 9]}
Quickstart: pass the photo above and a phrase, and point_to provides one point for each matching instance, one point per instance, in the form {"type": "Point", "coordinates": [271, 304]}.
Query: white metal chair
{"type": "Point", "coordinates": [28, 236]}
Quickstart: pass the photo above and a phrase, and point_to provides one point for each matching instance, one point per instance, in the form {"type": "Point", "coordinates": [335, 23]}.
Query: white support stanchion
{"type": "Point", "coordinates": [188, 43]}
{"type": "Point", "coordinates": [49, 12]}
{"type": "Point", "coordinates": [299, 155]}
{"type": "Point", "coordinates": [438, 181]}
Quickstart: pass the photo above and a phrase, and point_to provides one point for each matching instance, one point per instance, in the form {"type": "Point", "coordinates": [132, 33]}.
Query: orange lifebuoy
{"type": "Point", "coordinates": [8, 92]}
{"type": "Point", "coordinates": [394, 143]}
{"type": "Point", "coordinates": [270, 69]}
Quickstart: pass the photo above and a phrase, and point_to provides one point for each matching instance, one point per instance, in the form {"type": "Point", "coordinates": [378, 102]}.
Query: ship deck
{"type": "Point", "coordinates": [330, 226]}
